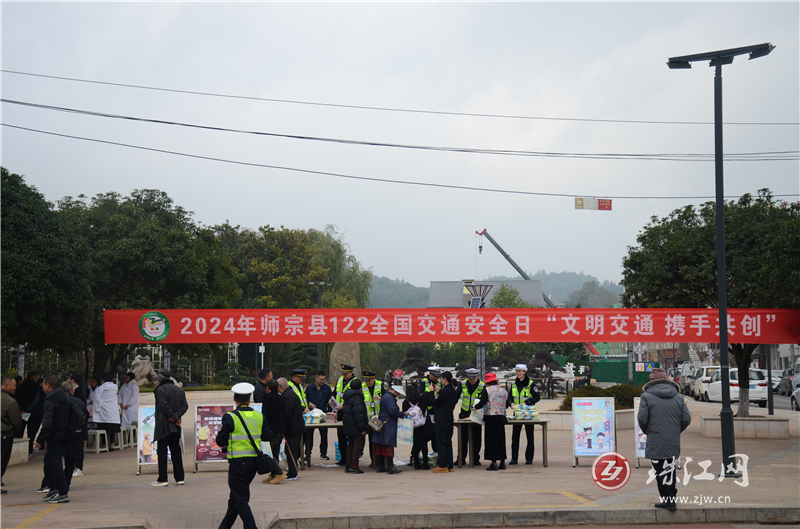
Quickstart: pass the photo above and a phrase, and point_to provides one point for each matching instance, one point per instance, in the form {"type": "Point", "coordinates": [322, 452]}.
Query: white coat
{"type": "Point", "coordinates": [129, 396]}
{"type": "Point", "coordinates": [104, 400]}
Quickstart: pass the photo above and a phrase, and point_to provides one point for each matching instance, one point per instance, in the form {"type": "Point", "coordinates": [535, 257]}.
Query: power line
{"type": "Point", "coordinates": [363, 178]}
{"type": "Point", "coordinates": [740, 157]}
{"type": "Point", "coordinates": [385, 109]}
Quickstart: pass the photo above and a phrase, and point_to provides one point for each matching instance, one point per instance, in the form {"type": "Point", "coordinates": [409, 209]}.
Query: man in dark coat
{"type": "Point", "coordinates": [57, 405]}
{"type": "Point", "coordinates": [74, 450]}
{"type": "Point", "coordinates": [274, 411]}
{"type": "Point", "coordinates": [443, 407]}
{"type": "Point", "coordinates": [663, 415]}
{"type": "Point", "coordinates": [264, 376]}
{"type": "Point", "coordinates": [11, 421]}
{"type": "Point", "coordinates": [28, 395]}
{"type": "Point", "coordinates": [295, 426]}
{"type": "Point", "coordinates": [170, 406]}
{"type": "Point", "coordinates": [355, 425]}
{"type": "Point", "coordinates": [319, 395]}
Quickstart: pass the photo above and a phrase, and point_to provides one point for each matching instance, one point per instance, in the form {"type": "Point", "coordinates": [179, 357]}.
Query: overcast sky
{"type": "Point", "coordinates": [570, 60]}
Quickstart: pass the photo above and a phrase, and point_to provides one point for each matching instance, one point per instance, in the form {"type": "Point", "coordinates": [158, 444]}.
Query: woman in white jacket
{"type": "Point", "coordinates": [129, 400]}
{"type": "Point", "coordinates": [106, 409]}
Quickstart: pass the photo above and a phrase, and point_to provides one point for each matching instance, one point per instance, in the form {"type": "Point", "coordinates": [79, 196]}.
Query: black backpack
{"type": "Point", "coordinates": [76, 423]}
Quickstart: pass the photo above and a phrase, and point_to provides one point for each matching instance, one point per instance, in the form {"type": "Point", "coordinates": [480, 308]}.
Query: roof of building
{"type": "Point", "coordinates": [450, 294]}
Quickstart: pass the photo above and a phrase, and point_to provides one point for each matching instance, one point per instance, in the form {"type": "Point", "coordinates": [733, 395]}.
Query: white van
{"type": "Point", "coordinates": [686, 377]}
{"type": "Point", "coordinates": [702, 376]}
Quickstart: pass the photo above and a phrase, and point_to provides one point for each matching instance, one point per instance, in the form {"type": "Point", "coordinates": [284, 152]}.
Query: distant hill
{"type": "Point", "coordinates": [559, 285]}
{"type": "Point", "coordinates": [397, 294]}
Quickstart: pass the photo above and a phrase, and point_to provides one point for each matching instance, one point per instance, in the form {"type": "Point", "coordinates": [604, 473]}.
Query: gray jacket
{"type": "Point", "coordinates": [663, 415]}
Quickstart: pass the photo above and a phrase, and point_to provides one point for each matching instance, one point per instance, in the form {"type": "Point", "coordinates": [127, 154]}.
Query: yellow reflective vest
{"type": "Point", "coordinates": [372, 400]}
{"type": "Point", "coordinates": [239, 444]}
{"type": "Point", "coordinates": [300, 393]}
{"type": "Point", "coordinates": [520, 396]}
{"type": "Point", "coordinates": [468, 400]}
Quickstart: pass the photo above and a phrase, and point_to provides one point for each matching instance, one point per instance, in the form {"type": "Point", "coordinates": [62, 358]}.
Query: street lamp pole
{"type": "Point", "coordinates": [717, 59]}
{"type": "Point", "coordinates": [319, 284]}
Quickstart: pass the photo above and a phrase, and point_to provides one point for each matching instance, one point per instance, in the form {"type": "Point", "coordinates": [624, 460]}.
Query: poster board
{"type": "Point", "coordinates": [145, 430]}
{"type": "Point", "coordinates": [594, 427]}
{"type": "Point", "coordinates": [207, 423]}
{"type": "Point", "coordinates": [640, 438]}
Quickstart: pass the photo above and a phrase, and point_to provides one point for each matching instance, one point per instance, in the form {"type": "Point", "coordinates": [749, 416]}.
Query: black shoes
{"type": "Point", "coordinates": [393, 469]}
{"type": "Point", "coordinates": [354, 470]}
{"type": "Point", "coordinates": [512, 462]}
{"type": "Point", "coordinates": [528, 462]}
{"type": "Point", "coordinates": [667, 506]}
{"type": "Point", "coordinates": [341, 463]}
{"type": "Point", "coordinates": [493, 466]}
{"type": "Point", "coordinates": [502, 465]}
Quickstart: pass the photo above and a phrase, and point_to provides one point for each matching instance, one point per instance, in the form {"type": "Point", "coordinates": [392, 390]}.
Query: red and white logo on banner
{"type": "Point", "coordinates": [611, 471]}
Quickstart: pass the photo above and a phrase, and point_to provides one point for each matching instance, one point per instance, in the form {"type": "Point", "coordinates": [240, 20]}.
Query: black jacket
{"type": "Point", "coordinates": [295, 425]}
{"type": "Point", "coordinates": [228, 426]}
{"type": "Point", "coordinates": [355, 412]}
{"type": "Point", "coordinates": [274, 411]}
{"type": "Point", "coordinates": [56, 414]}
{"type": "Point", "coordinates": [445, 403]}
{"type": "Point", "coordinates": [27, 395]}
{"type": "Point", "coordinates": [260, 392]}
{"type": "Point", "coordinates": [170, 404]}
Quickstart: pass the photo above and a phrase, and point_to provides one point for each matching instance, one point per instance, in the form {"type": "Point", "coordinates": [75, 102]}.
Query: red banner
{"type": "Point", "coordinates": [449, 325]}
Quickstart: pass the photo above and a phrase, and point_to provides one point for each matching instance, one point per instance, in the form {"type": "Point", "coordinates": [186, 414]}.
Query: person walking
{"type": "Point", "coordinates": [295, 427]}
{"type": "Point", "coordinates": [443, 407]}
{"type": "Point", "coordinates": [523, 391]}
{"type": "Point", "coordinates": [319, 395]}
{"type": "Point", "coordinates": [355, 419]}
{"type": "Point", "coordinates": [342, 385]}
{"type": "Point", "coordinates": [385, 441]}
{"type": "Point", "coordinates": [471, 392]}
{"type": "Point", "coordinates": [129, 400]}
{"type": "Point", "coordinates": [663, 415]}
{"type": "Point", "coordinates": [29, 397]}
{"type": "Point", "coordinates": [494, 401]}
{"type": "Point", "coordinates": [73, 444]}
{"type": "Point", "coordinates": [274, 411]}
{"type": "Point", "coordinates": [237, 439]}
{"type": "Point", "coordinates": [57, 407]}
{"type": "Point", "coordinates": [11, 421]}
{"type": "Point", "coordinates": [170, 406]}
{"type": "Point", "coordinates": [81, 392]}
{"type": "Point", "coordinates": [106, 409]}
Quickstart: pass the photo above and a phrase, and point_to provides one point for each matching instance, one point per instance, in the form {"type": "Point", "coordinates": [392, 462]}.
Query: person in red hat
{"type": "Point", "coordinates": [493, 402]}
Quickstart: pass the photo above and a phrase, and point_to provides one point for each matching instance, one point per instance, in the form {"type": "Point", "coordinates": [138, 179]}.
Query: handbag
{"type": "Point", "coordinates": [263, 461]}
{"type": "Point", "coordinates": [376, 424]}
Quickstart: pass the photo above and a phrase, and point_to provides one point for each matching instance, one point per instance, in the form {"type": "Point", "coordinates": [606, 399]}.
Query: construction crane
{"type": "Point", "coordinates": [521, 272]}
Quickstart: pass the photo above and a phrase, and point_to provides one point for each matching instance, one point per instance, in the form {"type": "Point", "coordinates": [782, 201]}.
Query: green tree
{"type": "Point", "coordinates": [145, 252]}
{"type": "Point", "coordinates": [592, 295]}
{"type": "Point", "coordinates": [674, 264]}
{"type": "Point", "coordinates": [45, 271]}
{"type": "Point", "coordinates": [350, 282]}
{"type": "Point", "coordinates": [508, 297]}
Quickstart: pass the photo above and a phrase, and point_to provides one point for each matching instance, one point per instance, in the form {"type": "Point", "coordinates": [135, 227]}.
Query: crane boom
{"type": "Point", "coordinates": [515, 265]}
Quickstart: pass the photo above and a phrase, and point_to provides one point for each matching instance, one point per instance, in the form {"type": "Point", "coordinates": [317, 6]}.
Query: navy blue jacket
{"type": "Point", "coordinates": [319, 397]}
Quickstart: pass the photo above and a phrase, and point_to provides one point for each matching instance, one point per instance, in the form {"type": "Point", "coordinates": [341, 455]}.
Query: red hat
{"type": "Point", "coordinates": [490, 377]}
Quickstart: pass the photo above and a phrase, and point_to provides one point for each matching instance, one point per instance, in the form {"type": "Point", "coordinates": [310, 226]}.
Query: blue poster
{"type": "Point", "coordinates": [649, 366]}
{"type": "Point", "coordinates": [594, 426]}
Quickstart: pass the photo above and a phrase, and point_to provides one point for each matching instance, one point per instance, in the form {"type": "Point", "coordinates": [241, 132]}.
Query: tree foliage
{"type": "Point", "coordinates": [45, 271]}
{"type": "Point", "coordinates": [674, 263]}
{"type": "Point", "coordinates": [396, 293]}
{"type": "Point", "coordinates": [508, 297]}
{"type": "Point", "coordinates": [350, 282]}
{"type": "Point", "coordinates": [592, 295]}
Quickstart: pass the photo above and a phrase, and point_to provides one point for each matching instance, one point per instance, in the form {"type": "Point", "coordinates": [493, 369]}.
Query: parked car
{"type": "Point", "coordinates": [796, 399]}
{"type": "Point", "coordinates": [758, 387]}
{"type": "Point", "coordinates": [685, 378]}
{"type": "Point", "coordinates": [776, 377]}
{"type": "Point", "coordinates": [701, 379]}
{"type": "Point", "coordinates": [785, 383]}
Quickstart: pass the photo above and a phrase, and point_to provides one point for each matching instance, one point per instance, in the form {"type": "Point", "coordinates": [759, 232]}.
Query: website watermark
{"type": "Point", "coordinates": [696, 500]}
{"type": "Point", "coordinates": [669, 470]}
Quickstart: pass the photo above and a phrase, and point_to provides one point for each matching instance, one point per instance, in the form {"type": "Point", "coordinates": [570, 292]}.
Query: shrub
{"type": "Point", "coordinates": [624, 395]}
{"type": "Point", "coordinates": [581, 392]}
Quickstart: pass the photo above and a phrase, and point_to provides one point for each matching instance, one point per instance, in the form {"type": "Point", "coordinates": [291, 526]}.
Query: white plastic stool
{"type": "Point", "coordinates": [93, 443]}
{"type": "Point", "coordinates": [126, 437]}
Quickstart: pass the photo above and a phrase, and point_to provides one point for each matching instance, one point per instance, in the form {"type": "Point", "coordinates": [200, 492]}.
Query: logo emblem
{"type": "Point", "coordinates": [611, 471]}
{"type": "Point", "coordinates": [154, 326]}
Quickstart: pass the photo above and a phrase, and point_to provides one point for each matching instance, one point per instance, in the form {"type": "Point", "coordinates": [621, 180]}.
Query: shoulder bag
{"type": "Point", "coordinates": [376, 424]}
{"type": "Point", "coordinates": [263, 461]}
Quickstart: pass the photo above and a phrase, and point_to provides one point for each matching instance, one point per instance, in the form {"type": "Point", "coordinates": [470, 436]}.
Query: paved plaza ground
{"type": "Point", "coordinates": [111, 494]}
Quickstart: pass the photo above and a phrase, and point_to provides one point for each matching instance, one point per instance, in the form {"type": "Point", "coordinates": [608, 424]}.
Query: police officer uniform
{"type": "Point", "coordinates": [297, 387]}
{"type": "Point", "coordinates": [431, 384]}
{"type": "Point", "coordinates": [372, 399]}
{"type": "Point", "coordinates": [234, 441]}
{"type": "Point", "coordinates": [523, 391]}
{"type": "Point", "coordinates": [471, 391]}
{"type": "Point", "coordinates": [342, 385]}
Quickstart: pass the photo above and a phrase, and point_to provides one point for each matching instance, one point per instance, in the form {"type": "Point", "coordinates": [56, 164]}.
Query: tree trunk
{"type": "Point", "coordinates": [743, 354]}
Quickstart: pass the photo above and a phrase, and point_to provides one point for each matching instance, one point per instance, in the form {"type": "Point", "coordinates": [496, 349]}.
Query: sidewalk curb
{"type": "Point", "coordinates": [565, 517]}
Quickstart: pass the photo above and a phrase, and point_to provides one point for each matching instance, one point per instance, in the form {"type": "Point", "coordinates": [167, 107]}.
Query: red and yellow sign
{"type": "Point", "coordinates": [453, 325]}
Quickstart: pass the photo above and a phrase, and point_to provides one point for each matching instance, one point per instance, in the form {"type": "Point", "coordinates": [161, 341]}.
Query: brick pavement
{"type": "Point", "coordinates": [110, 494]}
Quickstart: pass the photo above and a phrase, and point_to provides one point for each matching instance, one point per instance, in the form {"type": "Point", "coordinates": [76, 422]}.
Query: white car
{"type": "Point", "coordinates": [796, 399]}
{"type": "Point", "coordinates": [776, 377]}
{"type": "Point", "coordinates": [758, 387]}
{"type": "Point", "coordinates": [701, 379]}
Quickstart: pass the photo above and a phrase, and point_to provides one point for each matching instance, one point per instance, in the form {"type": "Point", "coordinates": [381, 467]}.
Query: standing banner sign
{"type": "Point", "coordinates": [640, 438]}
{"type": "Point", "coordinates": [207, 423]}
{"type": "Point", "coordinates": [146, 451]}
{"type": "Point", "coordinates": [594, 427]}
